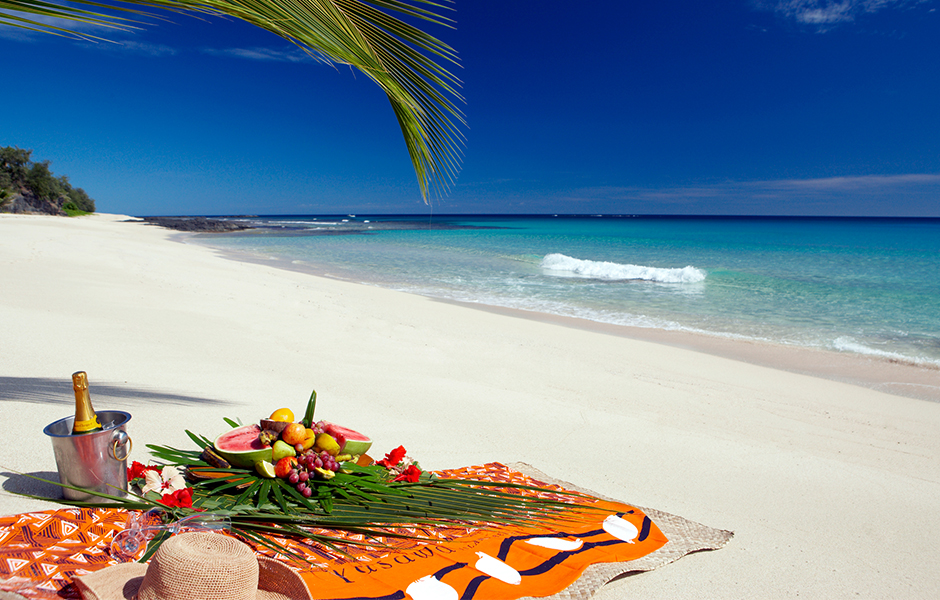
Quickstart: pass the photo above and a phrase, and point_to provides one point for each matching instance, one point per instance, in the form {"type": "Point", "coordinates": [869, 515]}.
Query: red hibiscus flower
{"type": "Point", "coordinates": [137, 470]}
{"type": "Point", "coordinates": [411, 474]}
{"type": "Point", "coordinates": [180, 498]}
{"type": "Point", "coordinates": [392, 458]}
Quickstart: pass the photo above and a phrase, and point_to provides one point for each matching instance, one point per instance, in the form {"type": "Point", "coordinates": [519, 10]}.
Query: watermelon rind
{"type": "Point", "coordinates": [350, 441]}
{"type": "Point", "coordinates": [228, 445]}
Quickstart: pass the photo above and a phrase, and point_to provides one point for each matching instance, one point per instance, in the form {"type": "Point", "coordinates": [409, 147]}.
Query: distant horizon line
{"type": "Point", "coordinates": [547, 215]}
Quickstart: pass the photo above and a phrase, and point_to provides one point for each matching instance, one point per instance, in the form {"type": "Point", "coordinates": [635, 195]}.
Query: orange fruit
{"type": "Point", "coordinates": [294, 433]}
{"type": "Point", "coordinates": [282, 414]}
{"type": "Point", "coordinates": [283, 467]}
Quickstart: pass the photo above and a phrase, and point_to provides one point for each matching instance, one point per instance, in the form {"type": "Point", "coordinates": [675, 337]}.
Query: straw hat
{"type": "Point", "coordinates": [197, 566]}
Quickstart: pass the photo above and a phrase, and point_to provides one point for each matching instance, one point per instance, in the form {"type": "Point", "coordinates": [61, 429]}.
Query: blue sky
{"type": "Point", "coordinates": [778, 107]}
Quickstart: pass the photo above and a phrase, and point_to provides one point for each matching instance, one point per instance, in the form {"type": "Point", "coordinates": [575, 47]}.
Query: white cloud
{"type": "Point", "coordinates": [915, 194]}
{"type": "Point", "coordinates": [265, 54]}
{"type": "Point", "coordinates": [147, 48]}
{"type": "Point", "coordinates": [864, 182]}
{"type": "Point", "coordinates": [106, 38]}
{"type": "Point", "coordinates": [9, 19]}
{"type": "Point", "coordinates": [824, 14]}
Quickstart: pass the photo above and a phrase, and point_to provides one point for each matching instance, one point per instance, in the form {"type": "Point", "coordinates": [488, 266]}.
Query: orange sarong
{"type": "Point", "coordinates": [40, 552]}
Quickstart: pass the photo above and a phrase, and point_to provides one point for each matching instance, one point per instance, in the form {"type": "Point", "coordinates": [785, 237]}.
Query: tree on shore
{"type": "Point", "coordinates": [27, 186]}
{"type": "Point", "coordinates": [373, 36]}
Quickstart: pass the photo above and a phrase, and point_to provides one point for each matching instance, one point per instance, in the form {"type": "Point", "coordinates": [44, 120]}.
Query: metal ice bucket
{"type": "Point", "coordinates": [92, 461]}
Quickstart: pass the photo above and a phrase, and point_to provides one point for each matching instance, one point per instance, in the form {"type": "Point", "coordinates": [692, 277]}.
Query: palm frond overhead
{"type": "Point", "coordinates": [373, 36]}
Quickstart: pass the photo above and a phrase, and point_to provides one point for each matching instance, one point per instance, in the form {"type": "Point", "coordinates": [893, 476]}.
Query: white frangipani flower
{"type": "Point", "coordinates": [166, 481]}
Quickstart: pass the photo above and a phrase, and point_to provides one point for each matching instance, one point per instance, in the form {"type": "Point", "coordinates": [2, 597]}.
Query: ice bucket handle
{"type": "Point", "coordinates": [121, 440]}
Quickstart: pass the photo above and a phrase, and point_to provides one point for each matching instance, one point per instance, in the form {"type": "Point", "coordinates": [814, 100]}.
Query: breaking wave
{"type": "Point", "coordinates": [565, 266]}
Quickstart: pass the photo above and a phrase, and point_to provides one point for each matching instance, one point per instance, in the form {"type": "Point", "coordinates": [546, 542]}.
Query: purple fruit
{"type": "Point", "coordinates": [307, 492]}
{"type": "Point", "coordinates": [304, 476]}
{"type": "Point", "coordinates": [294, 477]}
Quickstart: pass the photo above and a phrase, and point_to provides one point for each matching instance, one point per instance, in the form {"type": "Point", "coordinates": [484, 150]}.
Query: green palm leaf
{"type": "Point", "coordinates": [373, 36]}
{"type": "Point", "coordinates": [363, 502]}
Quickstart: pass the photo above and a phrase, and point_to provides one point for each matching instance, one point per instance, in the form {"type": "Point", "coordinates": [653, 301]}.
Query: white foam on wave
{"type": "Point", "coordinates": [566, 266]}
{"type": "Point", "coordinates": [551, 307]}
{"type": "Point", "coordinates": [847, 344]}
{"type": "Point", "coordinates": [289, 223]}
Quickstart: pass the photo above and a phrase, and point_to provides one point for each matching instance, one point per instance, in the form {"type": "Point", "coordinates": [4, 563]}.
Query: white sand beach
{"type": "Point", "coordinates": [832, 490]}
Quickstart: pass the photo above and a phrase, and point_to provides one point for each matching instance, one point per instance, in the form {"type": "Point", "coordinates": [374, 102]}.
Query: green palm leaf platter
{"type": "Point", "coordinates": [359, 498]}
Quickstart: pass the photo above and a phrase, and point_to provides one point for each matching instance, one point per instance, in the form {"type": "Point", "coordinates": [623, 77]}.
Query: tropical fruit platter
{"type": "Point", "coordinates": [314, 481]}
{"type": "Point", "coordinates": [279, 447]}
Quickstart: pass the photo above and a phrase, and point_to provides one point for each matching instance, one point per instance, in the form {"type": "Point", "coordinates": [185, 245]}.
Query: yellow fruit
{"type": "Point", "coordinates": [326, 442]}
{"type": "Point", "coordinates": [283, 414]}
{"type": "Point", "coordinates": [325, 473]}
{"type": "Point", "coordinates": [310, 438]}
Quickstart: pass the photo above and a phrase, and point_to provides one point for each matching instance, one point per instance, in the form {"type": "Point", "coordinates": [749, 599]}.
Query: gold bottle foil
{"type": "Point", "coordinates": [86, 420]}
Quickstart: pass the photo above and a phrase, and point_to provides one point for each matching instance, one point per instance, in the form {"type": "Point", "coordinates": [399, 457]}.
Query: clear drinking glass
{"type": "Point", "coordinates": [130, 544]}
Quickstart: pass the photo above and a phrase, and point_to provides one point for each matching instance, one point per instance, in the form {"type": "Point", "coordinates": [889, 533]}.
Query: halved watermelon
{"type": "Point", "coordinates": [241, 446]}
{"type": "Point", "coordinates": [350, 441]}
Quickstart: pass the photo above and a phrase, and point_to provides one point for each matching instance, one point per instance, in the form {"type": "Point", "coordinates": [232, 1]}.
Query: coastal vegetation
{"type": "Point", "coordinates": [30, 187]}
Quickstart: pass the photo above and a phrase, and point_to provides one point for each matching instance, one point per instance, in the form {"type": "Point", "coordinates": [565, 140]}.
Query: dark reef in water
{"type": "Point", "coordinates": [196, 224]}
{"type": "Point", "coordinates": [302, 225]}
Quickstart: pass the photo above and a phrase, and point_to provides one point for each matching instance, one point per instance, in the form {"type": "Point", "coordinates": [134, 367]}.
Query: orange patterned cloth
{"type": "Point", "coordinates": [40, 552]}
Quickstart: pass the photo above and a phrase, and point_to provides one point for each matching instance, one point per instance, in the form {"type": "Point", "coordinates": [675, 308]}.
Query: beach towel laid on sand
{"type": "Point", "coordinates": [40, 552]}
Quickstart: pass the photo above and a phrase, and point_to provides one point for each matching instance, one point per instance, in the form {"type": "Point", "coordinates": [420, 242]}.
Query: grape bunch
{"type": "Point", "coordinates": [312, 464]}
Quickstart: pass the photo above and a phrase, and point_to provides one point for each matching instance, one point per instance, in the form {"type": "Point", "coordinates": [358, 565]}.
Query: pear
{"type": "Point", "coordinates": [280, 450]}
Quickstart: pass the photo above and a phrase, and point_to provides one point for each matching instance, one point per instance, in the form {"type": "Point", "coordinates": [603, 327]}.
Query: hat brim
{"type": "Point", "coordinates": [122, 582]}
{"type": "Point", "coordinates": [276, 581]}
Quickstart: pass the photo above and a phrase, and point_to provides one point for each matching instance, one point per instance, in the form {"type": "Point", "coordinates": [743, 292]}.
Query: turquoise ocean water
{"type": "Point", "coordinates": [863, 286]}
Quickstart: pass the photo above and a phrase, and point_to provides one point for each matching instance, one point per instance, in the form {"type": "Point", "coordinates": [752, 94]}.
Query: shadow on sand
{"type": "Point", "coordinates": [44, 390]}
{"type": "Point", "coordinates": [18, 483]}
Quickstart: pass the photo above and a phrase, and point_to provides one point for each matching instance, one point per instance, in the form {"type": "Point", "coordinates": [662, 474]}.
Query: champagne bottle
{"type": "Point", "coordinates": [86, 421]}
